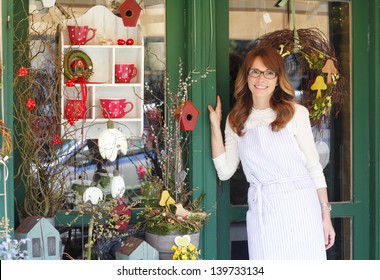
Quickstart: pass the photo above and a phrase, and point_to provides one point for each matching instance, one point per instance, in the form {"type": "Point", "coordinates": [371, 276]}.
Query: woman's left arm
{"type": "Point", "coordinates": [305, 140]}
{"type": "Point", "coordinates": [326, 218]}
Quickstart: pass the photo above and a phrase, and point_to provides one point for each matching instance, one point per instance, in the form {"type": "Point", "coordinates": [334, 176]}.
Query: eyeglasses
{"type": "Point", "coordinates": [255, 73]}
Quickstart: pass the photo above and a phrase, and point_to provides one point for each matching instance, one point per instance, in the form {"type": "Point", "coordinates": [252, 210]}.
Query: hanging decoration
{"type": "Point", "coordinates": [22, 72]}
{"type": "Point", "coordinates": [112, 140]}
{"type": "Point", "coordinates": [123, 214]}
{"type": "Point", "coordinates": [130, 12]}
{"type": "Point", "coordinates": [312, 68]}
{"type": "Point", "coordinates": [187, 115]}
{"type": "Point", "coordinates": [30, 103]}
{"type": "Point", "coordinates": [77, 64]}
{"type": "Point", "coordinates": [57, 140]}
{"type": "Point", "coordinates": [117, 185]}
{"type": "Point", "coordinates": [77, 69]}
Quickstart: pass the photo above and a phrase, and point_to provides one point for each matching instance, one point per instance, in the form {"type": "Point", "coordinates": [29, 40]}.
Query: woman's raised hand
{"type": "Point", "coordinates": [216, 114]}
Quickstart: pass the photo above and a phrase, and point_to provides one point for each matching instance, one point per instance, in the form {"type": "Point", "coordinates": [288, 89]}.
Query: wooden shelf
{"type": "Point", "coordinates": [102, 84]}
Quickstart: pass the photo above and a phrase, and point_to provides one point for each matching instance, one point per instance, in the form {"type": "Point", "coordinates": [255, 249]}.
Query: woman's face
{"type": "Point", "coordinates": [261, 87]}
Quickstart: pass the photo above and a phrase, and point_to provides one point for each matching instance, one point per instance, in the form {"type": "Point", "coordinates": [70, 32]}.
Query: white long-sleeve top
{"type": "Point", "coordinates": [299, 126]}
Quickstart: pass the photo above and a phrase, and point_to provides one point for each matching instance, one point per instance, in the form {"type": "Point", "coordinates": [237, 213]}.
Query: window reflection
{"type": "Point", "coordinates": [82, 158]}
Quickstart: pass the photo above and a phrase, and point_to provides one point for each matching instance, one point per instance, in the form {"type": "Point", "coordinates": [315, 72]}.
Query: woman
{"type": "Point", "coordinates": [289, 213]}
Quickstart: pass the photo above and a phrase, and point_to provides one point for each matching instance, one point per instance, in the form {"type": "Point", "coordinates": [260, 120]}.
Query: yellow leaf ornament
{"type": "Point", "coordinates": [166, 200]}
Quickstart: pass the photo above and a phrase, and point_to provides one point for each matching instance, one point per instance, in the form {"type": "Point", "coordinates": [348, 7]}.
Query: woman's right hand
{"type": "Point", "coordinates": [216, 114]}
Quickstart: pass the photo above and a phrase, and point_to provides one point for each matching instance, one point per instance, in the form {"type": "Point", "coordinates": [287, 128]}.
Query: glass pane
{"type": "Point", "coordinates": [80, 158]}
{"type": "Point", "coordinates": [340, 251]}
{"type": "Point", "coordinates": [331, 19]}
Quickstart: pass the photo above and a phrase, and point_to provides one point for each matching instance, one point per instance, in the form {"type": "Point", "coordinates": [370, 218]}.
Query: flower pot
{"type": "Point", "coordinates": [164, 243]}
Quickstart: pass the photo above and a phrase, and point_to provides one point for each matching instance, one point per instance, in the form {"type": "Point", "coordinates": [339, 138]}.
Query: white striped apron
{"type": "Point", "coordinates": [284, 218]}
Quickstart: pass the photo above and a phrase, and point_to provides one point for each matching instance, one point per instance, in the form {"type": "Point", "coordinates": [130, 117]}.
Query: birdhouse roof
{"type": "Point", "coordinates": [129, 4]}
{"type": "Point", "coordinates": [183, 105]}
{"type": "Point", "coordinates": [28, 224]}
{"type": "Point", "coordinates": [129, 245]}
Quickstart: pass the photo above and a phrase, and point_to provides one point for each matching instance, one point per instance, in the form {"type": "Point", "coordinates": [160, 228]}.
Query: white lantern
{"type": "Point", "coordinates": [93, 194]}
{"type": "Point", "coordinates": [117, 185]}
{"type": "Point", "coordinates": [111, 141]}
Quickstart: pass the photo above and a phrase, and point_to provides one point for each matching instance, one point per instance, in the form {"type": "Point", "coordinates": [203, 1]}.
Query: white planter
{"type": "Point", "coordinates": [164, 243]}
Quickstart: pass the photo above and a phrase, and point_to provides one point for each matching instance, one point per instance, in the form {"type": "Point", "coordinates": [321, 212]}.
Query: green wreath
{"type": "Point", "coordinates": [314, 63]}
{"type": "Point", "coordinates": [77, 64]}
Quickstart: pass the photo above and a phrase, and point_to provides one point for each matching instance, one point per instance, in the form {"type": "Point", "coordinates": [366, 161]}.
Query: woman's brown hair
{"type": "Point", "coordinates": [281, 100]}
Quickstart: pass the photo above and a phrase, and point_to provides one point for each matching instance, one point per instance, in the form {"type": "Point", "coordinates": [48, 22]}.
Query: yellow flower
{"type": "Point", "coordinates": [184, 250]}
{"type": "Point", "coordinates": [174, 248]}
{"type": "Point", "coordinates": [175, 256]}
{"type": "Point", "coordinates": [184, 257]}
{"type": "Point", "coordinates": [192, 248]}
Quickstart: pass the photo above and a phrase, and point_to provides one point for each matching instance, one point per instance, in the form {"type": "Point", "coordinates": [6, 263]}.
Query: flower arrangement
{"type": "Point", "coordinates": [166, 179]}
{"type": "Point", "coordinates": [109, 218]}
{"type": "Point", "coordinates": [189, 252]}
{"type": "Point", "coordinates": [10, 249]}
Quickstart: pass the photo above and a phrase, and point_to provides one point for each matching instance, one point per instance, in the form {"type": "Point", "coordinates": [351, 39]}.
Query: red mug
{"type": "Point", "coordinates": [114, 108]}
{"type": "Point", "coordinates": [124, 73]}
{"type": "Point", "coordinates": [75, 109]}
{"type": "Point", "coordinates": [78, 34]}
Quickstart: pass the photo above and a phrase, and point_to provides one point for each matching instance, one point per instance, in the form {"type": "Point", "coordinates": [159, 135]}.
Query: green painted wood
{"type": "Point", "coordinates": [225, 213]}
{"type": "Point", "coordinates": [7, 114]}
{"type": "Point", "coordinates": [201, 60]}
{"type": "Point", "coordinates": [374, 115]}
{"type": "Point", "coordinates": [360, 119]}
{"type": "Point", "coordinates": [190, 37]}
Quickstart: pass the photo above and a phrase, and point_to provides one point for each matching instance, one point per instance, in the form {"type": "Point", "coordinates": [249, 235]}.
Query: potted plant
{"type": "Point", "coordinates": [175, 211]}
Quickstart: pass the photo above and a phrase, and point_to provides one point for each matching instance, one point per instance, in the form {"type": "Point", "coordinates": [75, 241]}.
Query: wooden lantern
{"type": "Point", "coordinates": [187, 115]}
{"type": "Point", "coordinates": [130, 12]}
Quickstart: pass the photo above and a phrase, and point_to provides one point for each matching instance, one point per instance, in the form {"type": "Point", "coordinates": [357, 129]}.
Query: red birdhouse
{"type": "Point", "coordinates": [187, 115]}
{"type": "Point", "coordinates": [124, 214]}
{"type": "Point", "coordinates": [130, 12]}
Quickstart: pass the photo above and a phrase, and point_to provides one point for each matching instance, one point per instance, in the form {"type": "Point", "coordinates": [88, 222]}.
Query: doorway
{"type": "Point", "coordinates": [335, 20]}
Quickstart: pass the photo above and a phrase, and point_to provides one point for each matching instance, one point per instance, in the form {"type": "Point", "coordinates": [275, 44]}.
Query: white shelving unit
{"type": "Point", "coordinates": [102, 84]}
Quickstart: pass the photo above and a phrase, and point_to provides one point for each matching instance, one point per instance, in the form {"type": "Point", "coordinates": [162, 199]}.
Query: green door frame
{"type": "Point", "coordinates": [190, 35]}
{"type": "Point", "coordinates": [7, 203]}
{"type": "Point", "coordinates": [374, 129]}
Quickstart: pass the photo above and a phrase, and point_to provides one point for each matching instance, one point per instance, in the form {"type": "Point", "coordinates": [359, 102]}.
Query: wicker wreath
{"type": "Point", "coordinates": [312, 68]}
{"type": "Point", "coordinates": [77, 64]}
